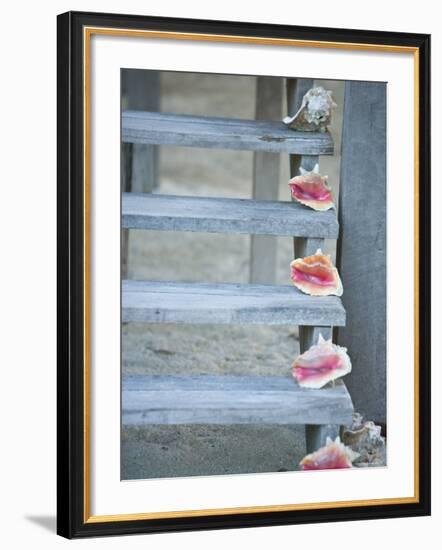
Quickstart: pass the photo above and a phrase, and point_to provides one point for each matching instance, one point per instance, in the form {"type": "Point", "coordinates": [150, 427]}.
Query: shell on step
{"type": "Point", "coordinates": [334, 455]}
{"type": "Point", "coordinates": [320, 364]}
{"type": "Point", "coordinates": [316, 275]}
{"type": "Point", "coordinates": [315, 112]}
{"type": "Point", "coordinates": [311, 189]}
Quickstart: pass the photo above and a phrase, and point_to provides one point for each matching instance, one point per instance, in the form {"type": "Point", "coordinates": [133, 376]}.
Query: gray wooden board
{"type": "Point", "coordinates": [201, 303]}
{"type": "Point", "coordinates": [361, 256]}
{"type": "Point", "coordinates": [223, 133]}
{"type": "Point", "coordinates": [220, 215]}
{"type": "Point", "coordinates": [231, 400]}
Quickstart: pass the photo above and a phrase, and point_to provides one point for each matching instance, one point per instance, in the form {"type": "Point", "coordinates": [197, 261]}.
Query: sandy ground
{"type": "Point", "coordinates": [171, 451]}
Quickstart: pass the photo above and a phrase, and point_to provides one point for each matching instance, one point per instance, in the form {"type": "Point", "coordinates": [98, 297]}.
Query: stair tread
{"type": "Point", "coordinates": [222, 215]}
{"type": "Point", "coordinates": [224, 133]}
{"type": "Point", "coordinates": [200, 303]}
{"type": "Point", "coordinates": [231, 400]}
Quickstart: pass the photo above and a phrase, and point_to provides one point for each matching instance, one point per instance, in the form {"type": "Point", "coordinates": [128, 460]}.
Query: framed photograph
{"type": "Point", "coordinates": [243, 274]}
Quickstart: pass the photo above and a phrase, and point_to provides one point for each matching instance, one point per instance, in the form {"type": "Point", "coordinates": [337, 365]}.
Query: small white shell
{"type": "Point", "coordinates": [314, 115]}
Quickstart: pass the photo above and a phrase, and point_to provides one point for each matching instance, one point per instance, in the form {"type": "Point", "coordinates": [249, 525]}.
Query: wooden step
{"type": "Point", "coordinates": [231, 400]}
{"type": "Point", "coordinates": [221, 133]}
{"type": "Point", "coordinates": [219, 215]}
{"type": "Point", "coordinates": [201, 303]}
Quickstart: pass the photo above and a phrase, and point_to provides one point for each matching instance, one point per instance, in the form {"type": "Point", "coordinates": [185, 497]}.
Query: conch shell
{"type": "Point", "coordinates": [311, 189]}
{"type": "Point", "coordinates": [320, 364]}
{"type": "Point", "coordinates": [335, 455]}
{"type": "Point", "coordinates": [316, 275]}
{"type": "Point", "coordinates": [314, 115]}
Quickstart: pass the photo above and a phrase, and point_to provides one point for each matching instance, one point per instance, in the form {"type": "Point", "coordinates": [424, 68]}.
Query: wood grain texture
{"type": "Point", "coordinates": [230, 400]}
{"type": "Point", "coordinates": [361, 257]}
{"type": "Point", "coordinates": [200, 303]}
{"type": "Point", "coordinates": [220, 215]}
{"type": "Point", "coordinates": [223, 133]}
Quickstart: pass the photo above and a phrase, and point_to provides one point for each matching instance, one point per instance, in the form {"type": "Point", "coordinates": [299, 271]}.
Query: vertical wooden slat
{"type": "Point", "coordinates": [265, 180]}
{"type": "Point", "coordinates": [361, 252]}
{"type": "Point", "coordinates": [304, 247]}
{"type": "Point", "coordinates": [142, 92]}
{"type": "Point", "coordinates": [296, 89]}
{"type": "Point", "coordinates": [316, 435]}
{"type": "Point", "coordinates": [126, 172]}
{"type": "Point", "coordinates": [308, 336]}
{"type": "Point", "coordinates": [139, 162]}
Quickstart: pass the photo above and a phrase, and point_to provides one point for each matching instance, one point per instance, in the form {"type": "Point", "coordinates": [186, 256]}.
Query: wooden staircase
{"type": "Point", "coordinates": [232, 399]}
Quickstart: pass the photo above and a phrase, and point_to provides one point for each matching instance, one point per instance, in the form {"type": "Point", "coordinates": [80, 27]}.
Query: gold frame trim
{"type": "Point", "coordinates": [87, 34]}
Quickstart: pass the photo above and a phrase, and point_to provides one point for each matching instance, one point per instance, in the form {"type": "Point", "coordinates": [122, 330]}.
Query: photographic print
{"type": "Point", "coordinates": [243, 274]}
{"type": "Point", "coordinates": [235, 354]}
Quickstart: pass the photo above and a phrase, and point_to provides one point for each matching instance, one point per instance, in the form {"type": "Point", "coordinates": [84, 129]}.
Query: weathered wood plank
{"type": "Point", "coordinates": [362, 213]}
{"type": "Point", "coordinates": [230, 400]}
{"type": "Point", "coordinates": [169, 302]}
{"type": "Point", "coordinates": [220, 215]}
{"type": "Point", "coordinates": [191, 131]}
{"type": "Point", "coordinates": [263, 248]}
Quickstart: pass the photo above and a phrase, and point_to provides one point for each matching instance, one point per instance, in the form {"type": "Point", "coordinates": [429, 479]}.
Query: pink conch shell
{"type": "Point", "coordinates": [334, 455]}
{"type": "Point", "coordinates": [316, 275]}
{"type": "Point", "coordinates": [320, 364]}
{"type": "Point", "coordinates": [311, 189]}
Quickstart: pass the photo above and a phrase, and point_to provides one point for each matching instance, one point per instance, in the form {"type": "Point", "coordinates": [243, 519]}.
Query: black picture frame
{"type": "Point", "coordinates": [72, 519]}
